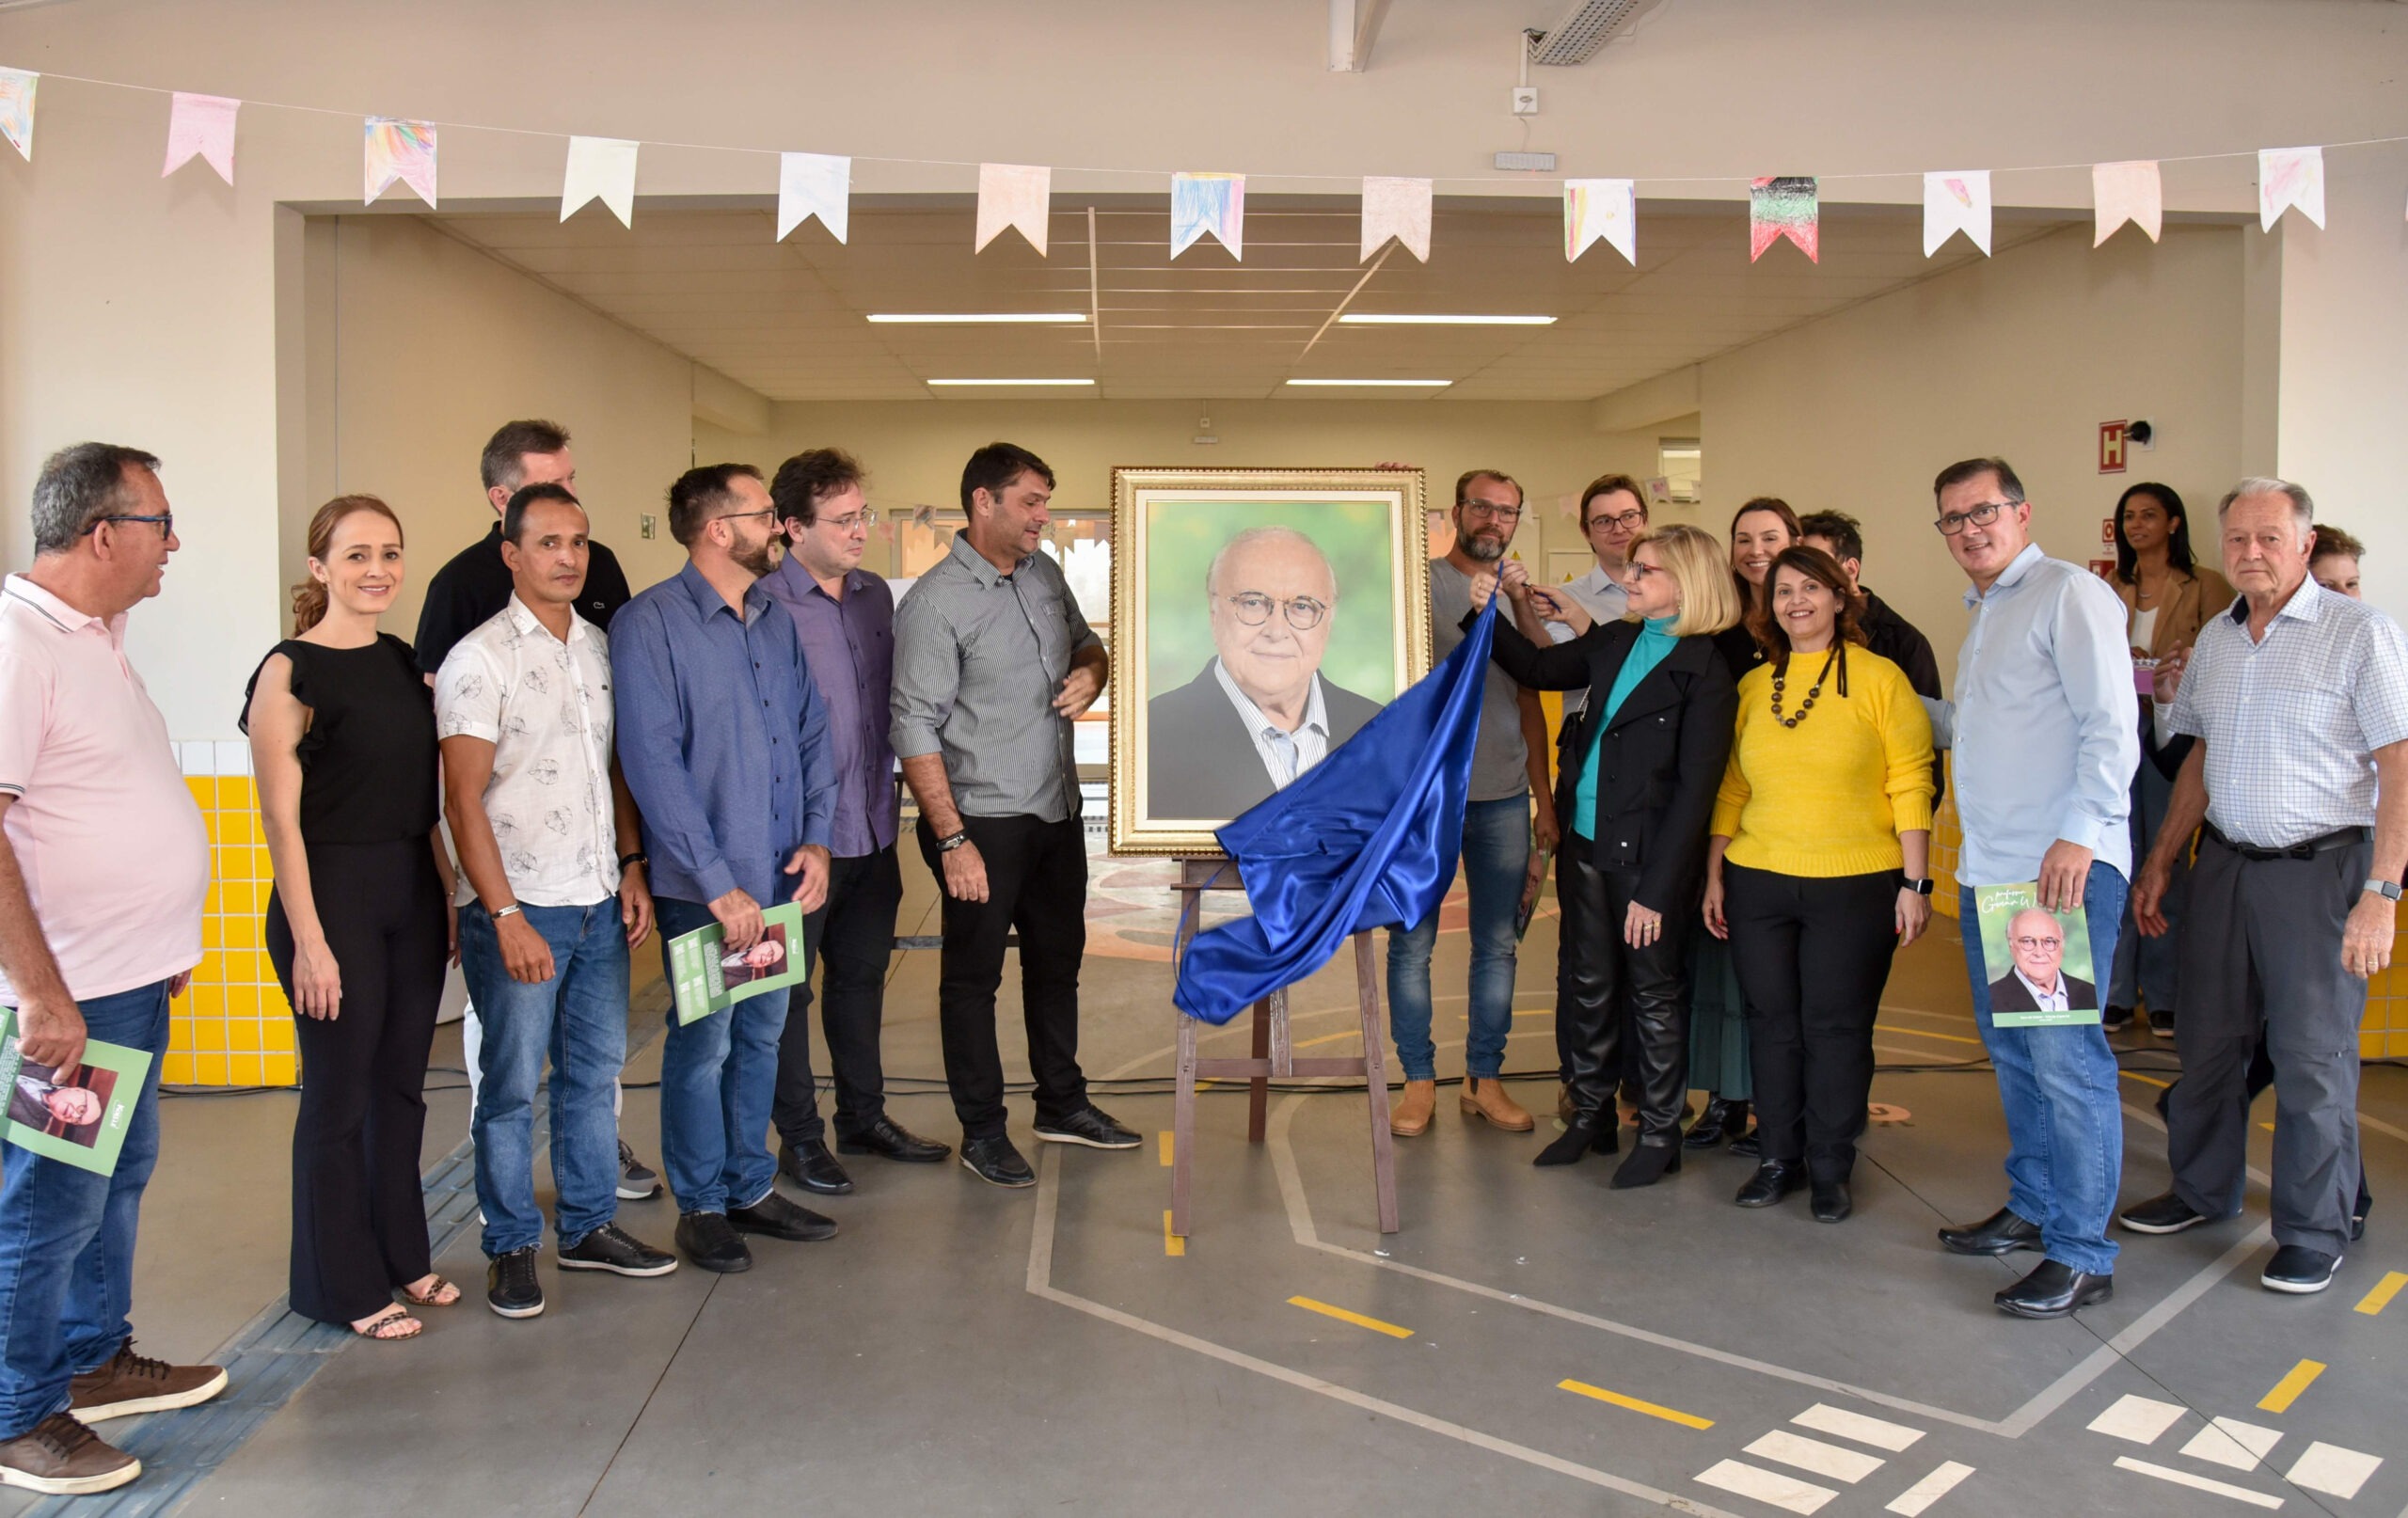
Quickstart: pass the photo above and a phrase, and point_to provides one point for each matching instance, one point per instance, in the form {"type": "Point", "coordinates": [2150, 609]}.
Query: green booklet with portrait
{"type": "Point", "coordinates": [707, 976]}
{"type": "Point", "coordinates": [2038, 959]}
{"type": "Point", "coordinates": [78, 1115]}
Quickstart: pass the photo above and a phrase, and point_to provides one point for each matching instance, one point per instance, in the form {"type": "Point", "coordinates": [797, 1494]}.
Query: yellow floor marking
{"type": "Point", "coordinates": [1376, 1326]}
{"type": "Point", "coordinates": [2268, 1127]}
{"type": "Point", "coordinates": [2286, 1390]}
{"type": "Point", "coordinates": [1173, 1245]}
{"type": "Point", "coordinates": [1917, 1033]}
{"type": "Point", "coordinates": [1327, 1038]}
{"type": "Point", "coordinates": [1167, 1152]}
{"type": "Point", "coordinates": [1686, 1420]}
{"type": "Point", "coordinates": [2144, 1079]}
{"type": "Point", "coordinates": [2384, 1290]}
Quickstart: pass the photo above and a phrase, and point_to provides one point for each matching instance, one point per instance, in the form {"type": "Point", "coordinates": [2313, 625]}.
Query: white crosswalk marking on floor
{"type": "Point", "coordinates": [2333, 1470]}
{"type": "Point", "coordinates": [1823, 1419]}
{"type": "Point", "coordinates": [1914, 1499]}
{"type": "Point", "coordinates": [2232, 1442]}
{"type": "Point", "coordinates": [1786, 1493]}
{"type": "Point", "coordinates": [2137, 1418]}
{"type": "Point", "coordinates": [1839, 1464]}
{"type": "Point", "coordinates": [2198, 1483]}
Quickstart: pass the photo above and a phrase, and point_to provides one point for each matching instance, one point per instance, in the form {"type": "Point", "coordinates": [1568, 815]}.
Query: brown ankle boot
{"type": "Point", "coordinates": [1410, 1116]}
{"type": "Point", "coordinates": [1487, 1099]}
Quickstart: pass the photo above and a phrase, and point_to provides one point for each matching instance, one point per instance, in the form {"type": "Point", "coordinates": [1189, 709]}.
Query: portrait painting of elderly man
{"type": "Point", "coordinates": [2049, 977]}
{"type": "Point", "coordinates": [1261, 618]}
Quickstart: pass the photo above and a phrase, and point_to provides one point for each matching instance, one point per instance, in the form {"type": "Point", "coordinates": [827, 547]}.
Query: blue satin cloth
{"type": "Point", "coordinates": [1367, 838]}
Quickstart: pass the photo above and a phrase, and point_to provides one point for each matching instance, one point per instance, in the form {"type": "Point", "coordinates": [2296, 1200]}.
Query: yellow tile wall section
{"type": "Point", "coordinates": [232, 1027]}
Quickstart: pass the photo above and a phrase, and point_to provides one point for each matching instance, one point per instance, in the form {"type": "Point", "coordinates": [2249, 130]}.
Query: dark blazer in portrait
{"type": "Point", "coordinates": [2008, 995]}
{"type": "Point", "coordinates": [1662, 755]}
{"type": "Point", "coordinates": [1201, 761]}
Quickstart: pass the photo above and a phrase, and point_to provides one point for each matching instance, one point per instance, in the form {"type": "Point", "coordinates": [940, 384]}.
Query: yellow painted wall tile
{"type": "Point", "coordinates": [243, 1034]}
{"type": "Point", "coordinates": [262, 864]}
{"type": "Point", "coordinates": [245, 1069]}
{"type": "Point", "coordinates": [242, 897]}
{"type": "Point", "coordinates": [237, 793]}
{"type": "Point", "coordinates": [245, 931]}
{"type": "Point", "coordinates": [209, 1069]}
{"type": "Point", "coordinates": [207, 1002]}
{"type": "Point", "coordinates": [204, 790]}
{"type": "Point", "coordinates": [280, 1069]}
{"type": "Point", "coordinates": [214, 900]}
{"type": "Point", "coordinates": [212, 970]}
{"type": "Point", "coordinates": [213, 932]}
{"type": "Point", "coordinates": [175, 1068]}
{"type": "Point", "coordinates": [272, 1005]}
{"type": "Point", "coordinates": [276, 1032]}
{"type": "Point", "coordinates": [243, 1001]}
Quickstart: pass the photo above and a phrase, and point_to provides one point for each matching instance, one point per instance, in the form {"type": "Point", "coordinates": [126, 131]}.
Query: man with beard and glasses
{"type": "Point", "coordinates": [723, 741]}
{"type": "Point", "coordinates": [1507, 766]}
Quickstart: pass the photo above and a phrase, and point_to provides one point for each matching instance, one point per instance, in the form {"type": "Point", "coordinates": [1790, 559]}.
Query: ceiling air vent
{"type": "Point", "coordinates": [1585, 27]}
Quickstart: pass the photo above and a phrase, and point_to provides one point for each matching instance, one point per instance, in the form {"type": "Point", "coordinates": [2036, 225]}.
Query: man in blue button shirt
{"type": "Point", "coordinates": [725, 745]}
{"type": "Point", "coordinates": [2044, 746]}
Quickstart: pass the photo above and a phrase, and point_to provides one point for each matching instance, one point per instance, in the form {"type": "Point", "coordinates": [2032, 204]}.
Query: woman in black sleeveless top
{"type": "Point", "coordinates": [360, 925]}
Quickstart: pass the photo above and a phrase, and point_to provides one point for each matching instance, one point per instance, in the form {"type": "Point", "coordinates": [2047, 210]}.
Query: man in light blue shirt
{"type": "Point", "coordinates": [2045, 743]}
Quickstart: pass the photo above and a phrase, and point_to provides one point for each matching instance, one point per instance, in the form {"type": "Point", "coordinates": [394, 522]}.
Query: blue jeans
{"type": "Point", "coordinates": [579, 1019]}
{"type": "Point", "coordinates": [67, 1235]}
{"type": "Point", "coordinates": [2149, 969]}
{"type": "Point", "coordinates": [1495, 854]}
{"type": "Point", "coordinates": [717, 1077]}
{"type": "Point", "coordinates": [2064, 1116]}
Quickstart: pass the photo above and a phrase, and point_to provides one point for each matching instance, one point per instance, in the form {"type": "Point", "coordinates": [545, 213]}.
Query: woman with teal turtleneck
{"type": "Point", "coordinates": [1653, 739]}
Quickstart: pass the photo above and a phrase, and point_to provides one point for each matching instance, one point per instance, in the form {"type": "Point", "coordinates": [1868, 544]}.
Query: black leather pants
{"type": "Point", "coordinates": [1605, 989]}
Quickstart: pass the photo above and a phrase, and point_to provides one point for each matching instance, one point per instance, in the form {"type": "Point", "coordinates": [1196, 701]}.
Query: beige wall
{"type": "Point", "coordinates": [2021, 356]}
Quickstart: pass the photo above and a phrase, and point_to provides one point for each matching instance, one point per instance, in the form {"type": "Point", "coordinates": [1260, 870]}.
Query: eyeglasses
{"type": "Point", "coordinates": [166, 520]}
{"type": "Point", "coordinates": [1303, 612]}
{"type": "Point", "coordinates": [1639, 570]}
{"type": "Point", "coordinates": [1486, 512]}
{"type": "Point", "coordinates": [737, 517]}
{"type": "Point", "coordinates": [1620, 524]}
{"type": "Point", "coordinates": [2039, 943]}
{"type": "Point", "coordinates": [866, 516]}
{"type": "Point", "coordinates": [1982, 516]}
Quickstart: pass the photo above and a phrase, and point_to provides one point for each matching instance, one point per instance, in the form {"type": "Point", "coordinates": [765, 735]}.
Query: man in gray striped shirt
{"type": "Point", "coordinates": [993, 662]}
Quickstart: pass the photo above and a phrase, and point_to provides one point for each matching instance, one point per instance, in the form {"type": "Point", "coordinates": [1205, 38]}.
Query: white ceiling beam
{"type": "Point", "coordinates": [1354, 26]}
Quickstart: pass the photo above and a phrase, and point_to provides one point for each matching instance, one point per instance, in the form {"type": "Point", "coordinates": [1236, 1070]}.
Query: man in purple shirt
{"type": "Point", "coordinates": [846, 617]}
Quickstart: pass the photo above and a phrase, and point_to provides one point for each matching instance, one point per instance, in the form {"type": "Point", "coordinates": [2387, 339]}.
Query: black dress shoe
{"type": "Point", "coordinates": [2053, 1290]}
{"type": "Point", "coordinates": [774, 1217]}
{"type": "Point", "coordinates": [995, 1162]}
{"type": "Point", "coordinates": [1091, 1126]}
{"type": "Point", "coordinates": [1708, 1130]}
{"type": "Point", "coordinates": [2002, 1232]}
{"type": "Point", "coordinates": [1648, 1164]}
{"type": "Point", "coordinates": [896, 1142]}
{"type": "Point", "coordinates": [2299, 1270]}
{"type": "Point", "coordinates": [2114, 1017]}
{"type": "Point", "coordinates": [1830, 1201]}
{"type": "Point", "coordinates": [1773, 1181]}
{"type": "Point", "coordinates": [809, 1166]}
{"type": "Point", "coordinates": [1587, 1133]}
{"type": "Point", "coordinates": [711, 1243]}
{"type": "Point", "coordinates": [1749, 1145]}
{"type": "Point", "coordinates": [2168, 1213]}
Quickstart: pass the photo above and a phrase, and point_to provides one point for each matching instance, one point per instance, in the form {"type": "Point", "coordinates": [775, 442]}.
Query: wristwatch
{"type": "Point", "coordinates": [1921, 888]}
{"type": "Point", "coordinates": [628, 862]}
{"type": "Point", "coordinates": [500, 912]}
{"type": "Point", "coordinates": [2389, 890]}
{"type": "Point", "coordinates": [953, 840]}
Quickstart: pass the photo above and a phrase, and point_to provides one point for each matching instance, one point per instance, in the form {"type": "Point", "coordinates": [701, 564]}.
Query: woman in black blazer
{"type": "Point", "coordinates": [1653, 737]}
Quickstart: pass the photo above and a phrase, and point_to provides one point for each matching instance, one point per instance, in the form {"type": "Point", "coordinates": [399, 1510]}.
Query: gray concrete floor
{"type": "Point", "coordinates": [965, 1349]}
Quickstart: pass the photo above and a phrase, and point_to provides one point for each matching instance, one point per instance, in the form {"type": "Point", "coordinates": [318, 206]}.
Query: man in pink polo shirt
{"type": "Point", "coordinates": [103, 865]}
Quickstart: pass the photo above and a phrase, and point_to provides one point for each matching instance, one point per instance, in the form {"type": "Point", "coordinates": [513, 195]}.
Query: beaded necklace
{"type": "Point", "coordinates": [1779, 679]}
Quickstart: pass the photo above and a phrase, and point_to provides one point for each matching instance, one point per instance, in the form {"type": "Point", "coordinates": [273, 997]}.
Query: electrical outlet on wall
{"type": "Point", "coordinates": [647, 525]}
{"type": "Point", "coordinates": [1526, 100]}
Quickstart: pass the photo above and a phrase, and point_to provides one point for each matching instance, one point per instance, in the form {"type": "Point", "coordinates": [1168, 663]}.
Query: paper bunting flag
{"type": "Point", "coordinates": [1397, 209]}
{"type": "Point", "coordinates": [1201, 203]}
{"type": "Point", "coordinates": [2127, 191]}
{"type": "Point", "coordinates": [603, 169]}
{"type": "Point", "coordinates": [403, 150]}
{"type": "Point", "coordinates": [17, 109]}
{"type": "Point", "coordinates": [201, 126]}
{"type": "Point", "coordinates": [1018, 196]}
{"type": "Point", "coordinates": [2289, 177]}
{"type": "Point", "coordinates": [1953, 203]}
{"type": "Point", "coordinates": [814, 184]}
{"type": "Point", "coordinates": [1785, 205]}
{"type": "Point", "coordinates": [1601, 208]}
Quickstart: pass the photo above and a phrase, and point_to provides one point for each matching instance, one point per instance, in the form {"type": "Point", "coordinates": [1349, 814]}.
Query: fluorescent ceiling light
{"type": "Point", "coordinates": [1009, 382]}
{"type": "Point", "coordinates": [1383, 384]}
{"type": "Point", "coordinates": [1417, 319]}
{"type": "Point", "coordinates": [979, 318]}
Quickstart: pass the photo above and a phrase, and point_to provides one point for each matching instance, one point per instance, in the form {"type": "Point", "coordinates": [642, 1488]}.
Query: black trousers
{"type": "Point", "coordinates": [359, 1215]}
{"type": "Point", "coordinates": [1813, 955]}
{"type": "Point", "coordinates": [1036, 885]}
{"type": "Point", "coordinates": [1605, 988]}
{"type": "Point", "coordinates": [851, 939]}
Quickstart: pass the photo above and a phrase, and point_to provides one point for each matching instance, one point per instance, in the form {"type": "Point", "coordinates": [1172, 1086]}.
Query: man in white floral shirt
{"type": "Point", "coordinates": [548, 839]}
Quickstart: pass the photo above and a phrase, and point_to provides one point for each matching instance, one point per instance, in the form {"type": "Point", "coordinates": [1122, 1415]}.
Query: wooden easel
{"type": "Point", "coordinates": [1274, 1058]}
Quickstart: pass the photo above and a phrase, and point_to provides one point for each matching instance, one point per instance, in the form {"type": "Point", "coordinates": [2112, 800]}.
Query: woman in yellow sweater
{"type": "Point", "coordinates": [1817, 870]}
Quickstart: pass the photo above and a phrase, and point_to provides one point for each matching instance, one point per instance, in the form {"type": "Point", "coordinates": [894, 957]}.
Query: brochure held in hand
{"type": "Point", "coordinates": [707, 976]}
{"type": "Point", "coordinates": [78, 1115]}
{"type": "Point", "coordinates": [2039, 960]}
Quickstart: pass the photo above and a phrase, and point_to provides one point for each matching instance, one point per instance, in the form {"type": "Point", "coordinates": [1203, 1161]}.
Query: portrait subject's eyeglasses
{"type": "Point", "coordinates": [2039, 943]}
{"type": "Point", "coordinates": [1983, 515]}
{"type": "Point", "coordinates": [166, 522]}
{"type": "Point", "coordinates": [1303, 612]}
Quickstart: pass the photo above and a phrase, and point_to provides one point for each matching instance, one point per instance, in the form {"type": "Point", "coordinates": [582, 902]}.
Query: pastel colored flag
{"type": "Point", "coordinates": [1397, 209]}
{"type": "Point", "coordinates": [1201, 203]}
{"type": "Point", "coordinates": [201, 126]}
{"type": "Point", "coordinates": [2288, 177]}
{"type": "Point", "coordinates": [403, 150]}
{"type": "Point", "coordinates": [1018, 196]}
{"type": "Point", "coordinates": [1601, 208]}
{"type": "Point", "coordinates": [814, 184]}
{"type": "Point", "coordinates": [17, 109]}
{"type": "Point", "coordinates": [2127, 191]}
{"type": "Point", "coordinates": [1956, 202]}
{"type": "Point", "coordinates": [603, 169]}
{"type": "Point", "coordinates": [1784, 205]}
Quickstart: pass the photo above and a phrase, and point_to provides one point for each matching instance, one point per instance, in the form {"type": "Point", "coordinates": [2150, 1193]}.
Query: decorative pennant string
{"type": "Point", "coordinates": [1018, 196]}
{"type": "Point", "coordinates": [1785, 205]}
{"type": "Point", "coordinates": [1606, 209]}
{"type": "Point", "coordinates": [1956, 202]}
{"type": "Point", "coordinates": [201, 126]}
{"type": "Point", "coordinates": [1201, 203]}
{"type": "Point", "coordinates": [1399, 209]}
{"type": "Point", "coordinates": [403, 150]}
{"type": "Point", "coordinates": [815, 185]}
